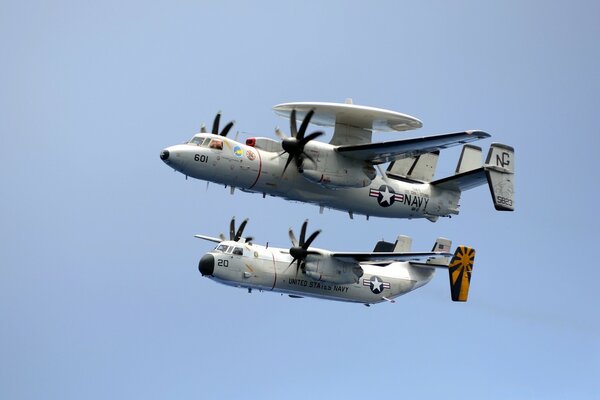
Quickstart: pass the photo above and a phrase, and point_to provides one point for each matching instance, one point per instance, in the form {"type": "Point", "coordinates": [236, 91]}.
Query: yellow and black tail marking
{"type": "Point", "coordinates": [460, 269]}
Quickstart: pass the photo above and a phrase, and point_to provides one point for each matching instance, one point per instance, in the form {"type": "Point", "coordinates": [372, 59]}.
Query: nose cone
{"type": "Point", "coordinates": [206, 266]}
{"type": "Point", "coordinates": [164, 155]}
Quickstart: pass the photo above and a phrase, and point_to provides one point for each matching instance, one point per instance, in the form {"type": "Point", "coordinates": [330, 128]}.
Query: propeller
{"type": "Point", "coordinates": [294, 145]}
{"type": "Point", "coordinates": [299, 250]}
{"type": "Point", "coordinates": [237, 235]}
{"type": "Point", "coordinates": [215, 127]}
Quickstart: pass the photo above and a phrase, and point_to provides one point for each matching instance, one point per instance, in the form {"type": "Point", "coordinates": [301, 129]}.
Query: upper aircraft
{"type": "Point", "coordinates": [343, 174]}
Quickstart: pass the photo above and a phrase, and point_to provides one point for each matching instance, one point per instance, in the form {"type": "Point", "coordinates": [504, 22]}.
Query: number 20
{"type": "Point", "coordinates": [223, 263]}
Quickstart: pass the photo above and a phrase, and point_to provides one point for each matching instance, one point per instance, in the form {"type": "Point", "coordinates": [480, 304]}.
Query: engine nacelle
{"type": "Point", "coordinates": [352, 177]}
{"type": "Point", "coordinates": [333, 272]}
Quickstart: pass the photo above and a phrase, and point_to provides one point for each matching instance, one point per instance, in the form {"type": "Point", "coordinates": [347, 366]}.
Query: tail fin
{"type": "Point", "coordinates": [460, 270]}
{"type": "Point", "coordinates": [418, 168]}
{"type": "Point", "coordinates": [444, 245]}
{"type": "Point", "coordinates": [500, 170]}
{"type": "Point", "coordinates": [470, 159]}
{"type": "Point", "coordinates": [403, 244]}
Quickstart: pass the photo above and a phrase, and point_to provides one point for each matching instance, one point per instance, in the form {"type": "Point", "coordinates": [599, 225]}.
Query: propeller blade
{"type": "Point", "coordinates": [292, 238]}
{"type": "Point", "coordinates": [222, 237]}
{"type": "Point", "coordinates": [310, 239]}
{"type": "Point", "coordinates": [293, 130]}
{"type": "Point", "coordinates": [277, 155]}
{"type": "Point", "coordinates": [240, 230]}
{"type": "Point", "coordinates": [304, 124]}
{"type": "Point", "coordinates": [203, 128]}
{"type": "Point", "coordinates": [279, 134]}
{"type": "Point", "coordinates": [225, 130]}
{"type": "Point", "coordinates": [310, 137]}
{"type": "Point", "coordinates": [305, 154]}
{"type": "Point", "coordinates": [289, 160]}
{"type": "Point", "coordinates": [303, 233]}
{"type": "Point", "coordinates": [215, 127]}
{"type": "Point", "coordinates": [232, 228]}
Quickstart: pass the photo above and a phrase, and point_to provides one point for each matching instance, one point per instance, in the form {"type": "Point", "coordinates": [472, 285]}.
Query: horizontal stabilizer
{"type": "Point", "coordinates": [387, 256]}
{"type": "Point", "coordinates": [463, 181]}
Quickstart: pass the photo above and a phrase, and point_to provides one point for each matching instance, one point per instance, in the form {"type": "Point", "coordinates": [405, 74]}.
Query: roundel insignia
{"type": "Point", "coordinates": [237, 150]}
{"type": "Point", "coordinates": [385, 195]}
{"type": "Point", "coordinates": [376, 284]}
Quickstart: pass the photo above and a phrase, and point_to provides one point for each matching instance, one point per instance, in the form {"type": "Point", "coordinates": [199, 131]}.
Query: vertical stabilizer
{"type": "Point", "coordinates": [443, 245]}
{"type": "Point", "coordinates": [403, 244]}
{"type": "Point", "coordinates": [460, 270]}
{"type": "Point", "coordinates": [500, 171]}
{"type": "Point", "coordinates": [420, 168]}
{"type": "Point", "coordinates": [470, 159]}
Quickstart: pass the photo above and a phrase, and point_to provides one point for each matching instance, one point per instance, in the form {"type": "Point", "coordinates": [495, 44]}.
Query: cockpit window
{"type": "Point", "coordinates": [196, 140]}
{"type": "Point", "coordinates": [222, 248]}
{"type": "Point", "coordinates": [238, 251]}
{"type": "Point", "coordinates": [216, 144]}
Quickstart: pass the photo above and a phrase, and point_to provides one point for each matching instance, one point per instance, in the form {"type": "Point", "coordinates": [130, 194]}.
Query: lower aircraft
{"type": "Point", "coordinates": [387, 272]}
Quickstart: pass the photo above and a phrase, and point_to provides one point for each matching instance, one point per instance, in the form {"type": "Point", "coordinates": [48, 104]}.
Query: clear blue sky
{"type": "Point", "coordinates": [100, 296]}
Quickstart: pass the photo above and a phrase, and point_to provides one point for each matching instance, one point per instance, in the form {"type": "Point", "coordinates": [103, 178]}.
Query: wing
{"type": "Point", "coordinates": [388, 256]}
{"type": "Point", "coordinates": [383, 152]}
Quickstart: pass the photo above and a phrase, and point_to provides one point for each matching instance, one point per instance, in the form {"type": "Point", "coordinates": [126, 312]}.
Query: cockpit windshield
{"type": "Point", "coordinates": [196, 140]}
{"type": "Point", "coordinates": [221, 248]}
{"type": "Point", "coordinates": [216, 144]}
{"type": "Point", "coordinates": [211, 143]}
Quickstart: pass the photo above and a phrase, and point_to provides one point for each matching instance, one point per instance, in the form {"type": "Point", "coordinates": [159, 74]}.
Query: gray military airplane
{"type": "Point", "coordinates": [342, 174]}
{"type": "Point", "coordinates": [387, 272]}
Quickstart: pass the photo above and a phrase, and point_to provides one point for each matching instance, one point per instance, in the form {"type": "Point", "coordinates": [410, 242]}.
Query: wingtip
{"type": "Point", "coordinates": [478, 133]}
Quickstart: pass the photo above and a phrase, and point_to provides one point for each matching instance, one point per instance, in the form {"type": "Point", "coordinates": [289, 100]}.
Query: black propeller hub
{"type": "Point", "coordinates": [294, 145]}
{"type": "Point", "coordinates": [298, 253]}
{"type": "Point", "coordinates": [291, 146]}
{"type": "Point", "coordinates": [299, 250]}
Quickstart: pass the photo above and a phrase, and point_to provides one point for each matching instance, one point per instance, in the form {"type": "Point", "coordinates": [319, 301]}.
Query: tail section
{"type": "Point", "coordinates": [441, 245]}
{"type": "Point", "coordinates": [500, 171]}
{"type": "Point", "coordinates": [403, 244]}
{"type": "Point", "coordinates": [418, 168]}
{"type": "Point", "coordinates": [470, 159]}
{"type": "Point", "coordinates": [460, 270]}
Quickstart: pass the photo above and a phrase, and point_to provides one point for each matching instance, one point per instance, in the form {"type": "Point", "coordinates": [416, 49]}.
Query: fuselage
{"type": "Point", "coordinates": [221, 160]}
{"type": "Point", "coordinates": [263, 268]}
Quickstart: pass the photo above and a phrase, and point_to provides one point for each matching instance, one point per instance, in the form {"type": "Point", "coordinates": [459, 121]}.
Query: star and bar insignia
{"type": "Point", "coordinates": [386, 196]}
{"type": "Point", "coordinates": [376, 284]}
